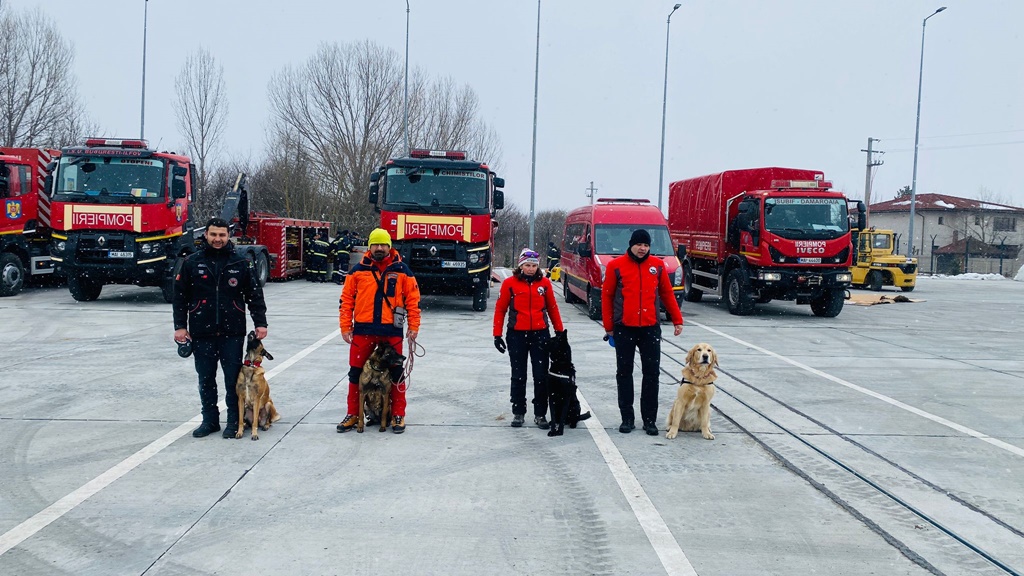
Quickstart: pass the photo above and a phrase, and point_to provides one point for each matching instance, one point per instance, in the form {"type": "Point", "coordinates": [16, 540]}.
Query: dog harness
{"type": "Point", "coordinates": [685, 381]}
{"type": "Point", "coordinates": [251, 363]}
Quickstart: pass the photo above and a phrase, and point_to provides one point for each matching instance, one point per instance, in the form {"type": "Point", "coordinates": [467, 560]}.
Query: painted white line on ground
{"type": "Point", "coordinates": [664, 544]}
{"type": "Point", "coordinates": [42, 519]}
{"type": "Point", "coordinates": [937, 419]}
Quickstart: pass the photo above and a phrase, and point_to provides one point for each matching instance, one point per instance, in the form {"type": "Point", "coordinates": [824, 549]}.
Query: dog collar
{"type": "Point", "coordinates": [685, 381]}
{"type": "Point", "coordinates": [557, 374]}
{"type": "Point", "coordinates": [251, 363]}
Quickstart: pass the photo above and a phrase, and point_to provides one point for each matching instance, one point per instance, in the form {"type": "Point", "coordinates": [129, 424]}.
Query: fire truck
{"type": "Point", "coordinates": [439, 208]}
{"type": "Point", "coordinates": [755, 235]}
{"type": "Point", "coordinates": [120, 215]}
{"type": "Point", "coordinates": [285, 240]}
{"type": "Point", "coordinates": [24, 227]}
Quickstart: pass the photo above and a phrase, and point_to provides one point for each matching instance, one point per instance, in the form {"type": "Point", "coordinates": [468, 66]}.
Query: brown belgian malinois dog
{"type": "Point", "coordinates": [375, 385]}
{"type": "Point", "coordinates": [255, 407]}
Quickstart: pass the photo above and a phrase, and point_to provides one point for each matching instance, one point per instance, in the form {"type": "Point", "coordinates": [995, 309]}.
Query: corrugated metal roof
{"type": "Point", "coordinates": [941, 202]}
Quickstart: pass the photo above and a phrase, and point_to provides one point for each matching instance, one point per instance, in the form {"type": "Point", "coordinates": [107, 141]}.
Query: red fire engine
{"type": "Point", "coordinates": [24, 227]}
{"type": "Point", "coordinates": [439, 209]}
{"type": "Point", "coordinates": [284, 238]}
{"type": "Point", "coordinates": [120, 215]}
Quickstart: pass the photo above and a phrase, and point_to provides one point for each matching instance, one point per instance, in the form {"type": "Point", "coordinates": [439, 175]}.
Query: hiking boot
{"type": "Point", "coordinates": [651, 428]}
{"type": "Point", "coordinates": [626, 427]}
{"type": "Point", "coordinates": [205, 429]}
{"type": "Point", "coordinates": [348, 423]}
{"type": "Point", "coordinates": [517, 420]}
{"type": "Point", "coordinates": [541, 422]}
{"type": "Point", "coordinates": [398, 425]}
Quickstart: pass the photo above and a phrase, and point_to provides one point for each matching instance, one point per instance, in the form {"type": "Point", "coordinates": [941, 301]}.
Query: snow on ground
{"type": "Point", "coordinates": [969, 276]}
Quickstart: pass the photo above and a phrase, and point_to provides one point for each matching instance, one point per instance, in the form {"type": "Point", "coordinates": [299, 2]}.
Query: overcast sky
{"type": "Point", "coordinates": [797, 83]}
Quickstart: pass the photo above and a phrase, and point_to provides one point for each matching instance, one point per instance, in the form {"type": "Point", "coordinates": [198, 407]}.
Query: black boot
{"type": "Point", "coordinates": [626, 427]}
{"type": "Point", "coordinates": [231, 429]}
{"type": "Point", "coordinates": [205, 429]}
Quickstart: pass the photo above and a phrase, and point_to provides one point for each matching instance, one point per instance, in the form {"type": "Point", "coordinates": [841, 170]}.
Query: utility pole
{"type": "Point", "coordinates": [590, 192]}
{"type": "Point", "coordinates": [867, 178]}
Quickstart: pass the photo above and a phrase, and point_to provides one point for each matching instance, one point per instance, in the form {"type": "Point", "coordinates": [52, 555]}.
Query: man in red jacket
{"type": "Point", "coordinates": [636, 286]}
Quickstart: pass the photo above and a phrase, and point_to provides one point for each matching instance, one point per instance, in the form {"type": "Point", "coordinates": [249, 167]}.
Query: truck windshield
{"type": "Point", "coordinates": [106, 180]}
{"type": "Point", "coordinates": [614, 239]}
{"type": "Point", "coordinates": [437, 190]}
{"type": "Point", "coordinates": [796, 218]}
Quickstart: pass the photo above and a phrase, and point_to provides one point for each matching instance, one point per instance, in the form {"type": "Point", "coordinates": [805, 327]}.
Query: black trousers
{"type": "Point", "coordinates": [207, 352]}
{"type": "Point", "coordinates": [532, 343]}
{"type": "Point", "coordinates": [627, 341]}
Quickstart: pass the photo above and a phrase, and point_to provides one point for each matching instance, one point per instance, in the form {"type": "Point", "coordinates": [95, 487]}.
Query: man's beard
{"type": "Point", "coordinates": [378, 255]}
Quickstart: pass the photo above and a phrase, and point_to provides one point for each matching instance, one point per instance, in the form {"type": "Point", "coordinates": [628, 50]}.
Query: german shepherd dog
{"type": "Point", "coordinates": [691, 410]}
{"type": "Point", "coordinates": [255, 407]}
{"type": "Point", "coordinates": [375, 385]}
{"type": "Point", "coordinates": [562, 400]}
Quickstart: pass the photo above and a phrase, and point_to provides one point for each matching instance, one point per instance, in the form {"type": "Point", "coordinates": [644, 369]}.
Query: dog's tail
{"type": "Point", "coordinates": [584, 416]}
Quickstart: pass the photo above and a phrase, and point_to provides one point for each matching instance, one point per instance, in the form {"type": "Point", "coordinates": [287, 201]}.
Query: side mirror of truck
{"type": "Point", "coordinates": [681, 252]}
{"type": "Point", "coordinates": [374, 177]}
{"type": "Point", "coordinates": [374, 193]}
{"type": "Point", "coordinates": [178, 190]}
{"type": "Point", "coordinates": [5, 186]}
{"type": "Point", "coordinates": [499, 199]}
{"type": "Point", "coordinates": [499, 182]}
{"type": "Point", "coordinates": [584, 251]}
{"type": "Point", "coordinates": [179, 171]}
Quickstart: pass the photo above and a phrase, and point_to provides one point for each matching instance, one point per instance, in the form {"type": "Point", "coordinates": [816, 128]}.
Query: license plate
{"type": "Point", "coordinates": [116, 254]}
{"type": "Point", "coordinates": [809, 260]}
{"type": "Point", "coordinates": [452, 264]}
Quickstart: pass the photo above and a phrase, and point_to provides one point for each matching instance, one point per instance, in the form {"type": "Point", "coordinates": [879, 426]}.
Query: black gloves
{"type": "Point", "coordinates": [499, 343]}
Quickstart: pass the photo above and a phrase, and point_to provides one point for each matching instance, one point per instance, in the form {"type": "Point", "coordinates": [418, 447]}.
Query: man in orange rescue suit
{"type": "Point", "coordinates": [636, 286]}
{"type": "Point", "coordinates": [380, 294]}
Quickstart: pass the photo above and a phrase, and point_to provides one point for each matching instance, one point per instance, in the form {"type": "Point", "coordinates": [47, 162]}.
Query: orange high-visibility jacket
{"type": "Point", "coordinates": [363, 307]}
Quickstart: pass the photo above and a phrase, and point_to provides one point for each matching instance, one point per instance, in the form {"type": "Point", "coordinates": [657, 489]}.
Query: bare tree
{"type": "Point", "coordinates": [201, 108]}
{"type": "Point", "coordinates": [343, 109]}
{"type": "Point", "coordinates": [39, 104]}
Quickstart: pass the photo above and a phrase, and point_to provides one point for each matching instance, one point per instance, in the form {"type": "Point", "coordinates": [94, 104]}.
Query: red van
{"type": "Point", "coordinates": [596, 234]}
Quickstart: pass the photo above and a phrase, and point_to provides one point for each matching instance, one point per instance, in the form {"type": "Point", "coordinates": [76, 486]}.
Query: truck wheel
{"type": "Point", "coordinates": [259, 265]}
{"type": "Point", "coordinates": [907, 288]}
{"type": "Point", "coordinates": [829, 305]}
{"type": "Point", "coordinates": [480, 299]}
{"type": "Point", "coordinates": [570, 298]}
{"type": "Point", "coordinates": [12, 274]}
{"type": "Point", "coordinates": [84, 289]}
{"type": "Point", "coordinates": [593, 306]}
{"type": "Point", "coordinates": [874, 280]}
{"type": "Point", "coordinates": [690, 292]}
{"type": "Point", "coordinates": [738, 297]}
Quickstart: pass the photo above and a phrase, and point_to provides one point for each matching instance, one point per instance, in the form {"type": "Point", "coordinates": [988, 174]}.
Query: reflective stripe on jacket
{"type": "Point", "coordinates": [363, 308]}
{"type": "Point", "coordinates": [529, 304]}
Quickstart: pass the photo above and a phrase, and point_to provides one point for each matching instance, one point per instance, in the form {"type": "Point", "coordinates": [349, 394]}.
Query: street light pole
{"type": "Point", "coordinates": [533, 158]}
{"type": "Point", "coordinates": [917, 134]}
{"type": "Point", "coordinates": [145, 21]}
{"type": "Point", "coordinates": [664, 101]}
{"type": "Point", "coordinates": [405, 119]}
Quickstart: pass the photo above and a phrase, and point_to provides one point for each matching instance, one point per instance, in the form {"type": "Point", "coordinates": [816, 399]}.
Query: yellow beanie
{"type": "Point", "coordinates": [379, 236]}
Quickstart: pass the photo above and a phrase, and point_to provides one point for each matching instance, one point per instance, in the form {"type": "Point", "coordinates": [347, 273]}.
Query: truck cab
{"type": "Point", "coordinates": [876, 263]}
{"type": "Point", "coordinates": [24, 234]}
{"type": "Point", "coordinates": [439, 208]}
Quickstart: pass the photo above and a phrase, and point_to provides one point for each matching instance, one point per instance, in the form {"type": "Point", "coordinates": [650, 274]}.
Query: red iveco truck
{"type": "Point", "coordinates": [24, 227]}
{"type": "Point", "coordinates": [439, 208]}
{"type": "Point", "coordinates": [120, 215]}
{"type": "Point", "coordinates": [763, 234]}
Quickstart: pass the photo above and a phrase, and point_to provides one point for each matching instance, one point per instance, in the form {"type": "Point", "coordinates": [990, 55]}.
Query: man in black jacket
{"type": "Point", "coordinates": [210, 294]}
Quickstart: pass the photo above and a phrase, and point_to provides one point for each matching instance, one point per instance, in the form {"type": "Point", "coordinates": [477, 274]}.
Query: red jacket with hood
{"type": "Point", "coordinates": [634, 292]}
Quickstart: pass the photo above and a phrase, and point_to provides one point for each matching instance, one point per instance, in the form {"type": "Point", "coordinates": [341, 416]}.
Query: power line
{"type": "Point", "coordinates": [960, 146]}
{"type": "Point", "coordinates": [959, 135]}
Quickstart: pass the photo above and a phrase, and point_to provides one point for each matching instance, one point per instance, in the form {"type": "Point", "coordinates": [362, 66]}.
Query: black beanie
{"type": "Point", "coordinates": [640, 236]}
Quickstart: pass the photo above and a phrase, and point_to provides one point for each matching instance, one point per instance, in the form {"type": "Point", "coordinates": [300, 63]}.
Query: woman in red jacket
{"type": "Point", "coordinates": [529, 299]}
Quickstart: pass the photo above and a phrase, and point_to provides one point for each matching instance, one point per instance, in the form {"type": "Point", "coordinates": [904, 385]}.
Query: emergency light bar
{"type": "Point", "coordinates": [116, 143]}
{"type": "Point", "coordinates": [448, 154]}
{"type": "Point", "coordinates": [634, 200]}
{"type": "Point", "coordinates": [801, 184]}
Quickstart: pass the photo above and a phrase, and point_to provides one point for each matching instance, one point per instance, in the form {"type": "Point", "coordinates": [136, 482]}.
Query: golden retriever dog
{"type": "Point", "coordinates": [255, 407]}
{"type": "Point", "coordinates": [691, 410]}
{"type": "Point", "coordinates": [375, 385]}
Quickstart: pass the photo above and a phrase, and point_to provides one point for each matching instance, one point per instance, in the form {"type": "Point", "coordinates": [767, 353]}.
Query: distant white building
{"type": "Point", "coordinates": [953, 235]}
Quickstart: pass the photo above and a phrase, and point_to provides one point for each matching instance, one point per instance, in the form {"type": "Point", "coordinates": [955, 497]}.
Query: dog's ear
{"type": "Point", "coordinates": [691, 356]}
{"type": "Point", "coordinates": [267, 354]}
{"type": "Point", "coordinates": [714, 358]}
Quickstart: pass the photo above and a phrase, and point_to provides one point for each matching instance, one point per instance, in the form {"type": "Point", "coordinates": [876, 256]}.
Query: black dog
{"type": "Point", "coordinates": [562, 400]}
